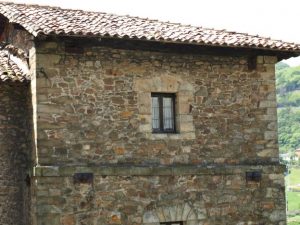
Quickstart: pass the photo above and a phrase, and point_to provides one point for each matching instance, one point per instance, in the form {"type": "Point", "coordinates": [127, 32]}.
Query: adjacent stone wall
{"type": "Point", "coordinates": [15, 153]}
{"type": "Point", "coordinates": [89, 107]}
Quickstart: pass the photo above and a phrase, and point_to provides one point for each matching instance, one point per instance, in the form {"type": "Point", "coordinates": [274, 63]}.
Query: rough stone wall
{"type": "Point", "coordinates": [15, 153]}
{"type": "Point", "coordinates": [90, 107]}
{"type": "Point", "coordinates": [130, 196]}
{"type": "Point", "coordinates": [92, 116]}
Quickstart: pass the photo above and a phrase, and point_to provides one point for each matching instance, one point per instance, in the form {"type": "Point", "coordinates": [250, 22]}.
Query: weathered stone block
{"type": "Point", "coordinates": [267, 153]}
{"type": "Point", "coordinates": [47, 60]}
{"type": "Point", "coordinates": [270, 59]}
{"type": "Point", "coordinates": [270, 135]}
{"type": "Point", "coordinates": [68, 220]}
{"type": "Point", "coordinates": [267, 104]}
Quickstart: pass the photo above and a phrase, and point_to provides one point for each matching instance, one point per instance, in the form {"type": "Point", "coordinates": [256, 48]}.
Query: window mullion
{"type": "Point", "coordinates": [161, 113]}
{"type": "Point", "coordinates": [173, 113]}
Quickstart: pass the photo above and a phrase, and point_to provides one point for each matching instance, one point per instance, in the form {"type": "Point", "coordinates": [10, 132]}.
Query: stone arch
{"type": "Point", "coordinates": [181, 212]}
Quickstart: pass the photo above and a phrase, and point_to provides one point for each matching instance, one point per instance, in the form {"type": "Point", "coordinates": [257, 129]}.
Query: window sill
{"type": "Point", "coordinates": [164, 132]}
{"type": "Point", "coordinates": [171, 136]}
{"type": "Point", "coordinates": [166, 135]}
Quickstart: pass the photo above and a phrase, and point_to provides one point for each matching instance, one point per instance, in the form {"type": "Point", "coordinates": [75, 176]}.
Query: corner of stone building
{"type": "Point", "coordinates": [268, 108]}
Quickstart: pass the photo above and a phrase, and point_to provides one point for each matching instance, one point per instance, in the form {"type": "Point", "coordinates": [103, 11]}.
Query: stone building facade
{"type": "Point", "coordinates": [76, 138]}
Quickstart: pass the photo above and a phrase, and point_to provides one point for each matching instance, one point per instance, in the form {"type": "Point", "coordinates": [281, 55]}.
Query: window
{"type": "Point", "coordinates": [163, 113]}
{"type": "Point", "coordinates": [172, 223]}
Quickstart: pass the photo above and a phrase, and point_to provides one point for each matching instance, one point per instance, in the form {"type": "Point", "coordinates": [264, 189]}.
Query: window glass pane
{"type": "Point", "coordinates": [168, 116]}
{"type": "Point", "coordinates": [155, 113]}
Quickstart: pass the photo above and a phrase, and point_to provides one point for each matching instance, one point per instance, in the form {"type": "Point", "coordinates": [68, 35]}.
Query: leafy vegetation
{"type": "Point", "coordinates": [287, 82]}
{"type": "Point", "coordinates": [288, 129]}
{"type": "Point", "coordinates": [288, 99]}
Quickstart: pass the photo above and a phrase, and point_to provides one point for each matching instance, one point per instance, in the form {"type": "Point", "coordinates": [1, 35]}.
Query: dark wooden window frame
{"type": "Point", "coordinates": [170, 223]}
{"type": "Point", "coordinates": [160, 97]}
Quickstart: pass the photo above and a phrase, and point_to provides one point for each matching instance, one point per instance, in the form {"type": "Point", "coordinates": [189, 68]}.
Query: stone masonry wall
{"type": "Point", "coordinates": [92, 107]}
{"type": "Point", "coordinates": [135, 196]}
{"type": "Point", "coordinates": [93, 120]}
{"type": "Point", "coordinates": [15, 153]}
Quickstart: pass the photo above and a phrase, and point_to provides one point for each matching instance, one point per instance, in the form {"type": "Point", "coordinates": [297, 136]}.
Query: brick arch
{"type": "Point", "coordinates": [182, 212]}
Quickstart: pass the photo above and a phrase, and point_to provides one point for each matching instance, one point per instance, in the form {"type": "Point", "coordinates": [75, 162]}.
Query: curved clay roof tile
{"type": "Point", "coordinates": [57, 21]}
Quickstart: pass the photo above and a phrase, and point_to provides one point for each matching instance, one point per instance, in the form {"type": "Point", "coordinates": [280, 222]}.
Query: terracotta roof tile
{"type": "Point", "coordinates": [13, 65]}
{"type": "Point", "coordinates": [46, 20]}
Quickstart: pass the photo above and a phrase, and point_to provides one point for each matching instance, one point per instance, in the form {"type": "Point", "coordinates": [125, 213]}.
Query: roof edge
{"type": "Point", "coordinates": [157, 31]}
{"type": "Point", "coordinates": [282, 54]}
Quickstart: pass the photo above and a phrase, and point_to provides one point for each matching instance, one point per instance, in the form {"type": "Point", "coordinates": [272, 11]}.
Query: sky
{"type": "Point", "coordinates": [278, 19]}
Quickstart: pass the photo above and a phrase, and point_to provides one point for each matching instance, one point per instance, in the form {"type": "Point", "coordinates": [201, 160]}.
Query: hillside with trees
{"type": "Point", "coordinates": [288, 102]}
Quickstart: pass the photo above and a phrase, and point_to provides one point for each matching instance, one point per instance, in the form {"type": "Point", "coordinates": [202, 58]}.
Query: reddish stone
{"type": "Point", "coordinates": [68, 220]}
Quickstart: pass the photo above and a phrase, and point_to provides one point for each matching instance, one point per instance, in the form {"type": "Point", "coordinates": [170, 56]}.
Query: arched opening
{"type": "Point", "coordinates": [181, 214]}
